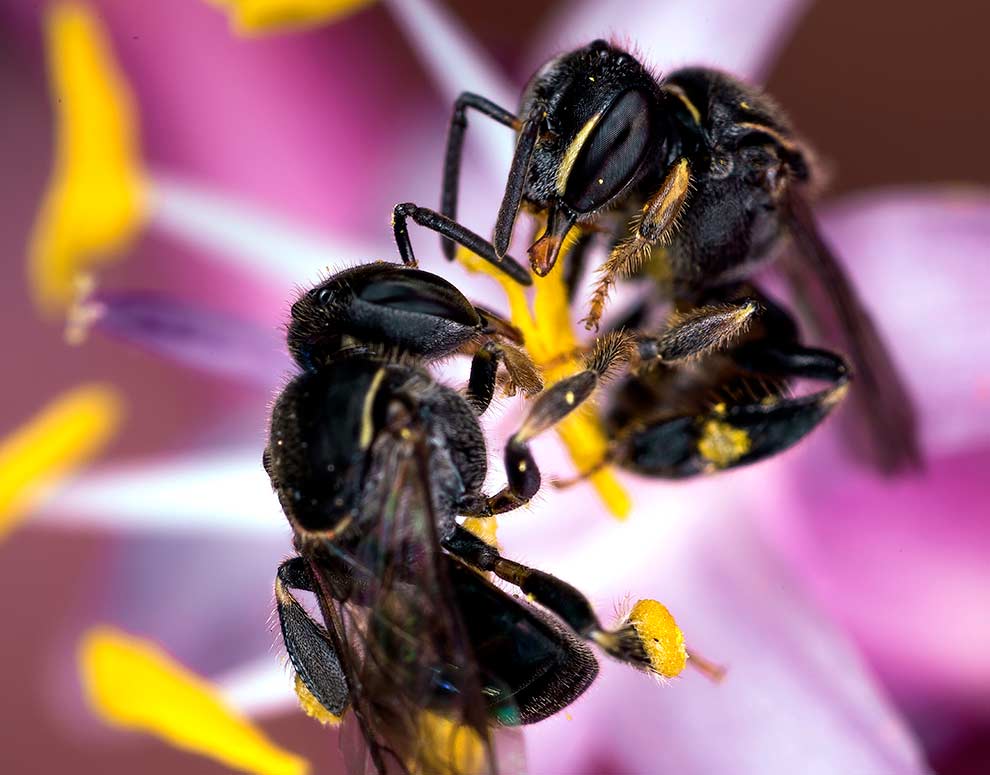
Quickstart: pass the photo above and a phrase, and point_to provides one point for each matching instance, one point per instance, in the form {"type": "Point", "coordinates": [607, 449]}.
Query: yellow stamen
{"type": "Point", "coordinates": [131, 683]}
{"type": "Point", "coordinates": [65, 435]}
{"type": "Point", "coordinates": [312, 707]}
{"type": "Point", "coordinates": [447, 748]}
{"type": "Point", "coordinates": [660, 636]}
{"type": "Point", "coordinates": [259, 16]}
{"type": "Point", "coordinates": [721, 444]}
{"type": "Point", "coordinates": [96, 198]}
{"type": "Point", "coordinates": [551, 343]}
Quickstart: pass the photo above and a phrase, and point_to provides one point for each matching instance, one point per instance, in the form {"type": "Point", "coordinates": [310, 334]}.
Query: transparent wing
{"type": "Point", "coordinates": [884, 428]}
{"type": "Point", "coordinates": [386, 597]}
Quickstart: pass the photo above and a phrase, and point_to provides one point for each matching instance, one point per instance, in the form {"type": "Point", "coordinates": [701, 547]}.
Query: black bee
{"type": "Point", "coordinates": [374, 462]}
{"type": "Point", "coordinates": [709, 176]}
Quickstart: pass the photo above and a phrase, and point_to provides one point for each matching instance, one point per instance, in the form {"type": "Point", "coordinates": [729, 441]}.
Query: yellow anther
{"type": "Point", "coordinates": [312, 707]}
{"type": "Point", "coordinates": [260, 16]}
{"type": "Point", "coordinates": [447, 748]}
{"type": "Point", "coordinates": [66, 434]}
{"type": "Point", "coordinates": [485, 528]}
{"type": "Point", "coordinates": [551, 343]}
{"type": "Point", "coordinates": [131, 683]}
{"type": "Point", "coordinates": [660, 636]}
{"type": "Point", "coordinates": [721, 444]}
{"type": "Point", "coordinates": [96, 198]}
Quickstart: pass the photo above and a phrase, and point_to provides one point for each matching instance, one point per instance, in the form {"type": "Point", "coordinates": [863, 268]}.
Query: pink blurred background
{"type": "Point", "coordinates": [889, 94]}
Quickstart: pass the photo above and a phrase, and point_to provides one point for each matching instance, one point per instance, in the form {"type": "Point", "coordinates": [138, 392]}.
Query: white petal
{"type": "Point", "coordinates": [260, 687]}
{"type": "Point", "coordinates": [456, 64]}
{"type": "Point", "coordinates": [250, 238]}
{"type": "Point", "coordinates": [797, 697]}
{"type": "Point", "coordinates": [221, 492]}
{"type": "Point", "coordinates": [741, 37]}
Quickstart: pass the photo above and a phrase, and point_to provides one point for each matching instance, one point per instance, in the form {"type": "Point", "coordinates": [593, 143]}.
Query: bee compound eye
{"type": "Point", "coordinates": [612, 154]}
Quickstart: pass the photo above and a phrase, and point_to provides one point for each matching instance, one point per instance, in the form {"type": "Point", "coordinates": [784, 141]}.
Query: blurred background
{"type": "Point", "coordinates": [888, 93]}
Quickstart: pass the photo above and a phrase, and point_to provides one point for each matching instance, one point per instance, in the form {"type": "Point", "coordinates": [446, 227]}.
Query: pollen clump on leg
{"type": "Point", "coordinates": [131, 683]}
{"type": "Point", "coordinates": [260, 16]}
{"type": "Point", "coordinates": [721, 444]}
{"type": "Point", "coordinates": [97, 196]}
{"type": "Point", "coordinates": [660, 637]}
{"type": "Point", "coordinates": [312, 707]}
{"type": "Point", "coordinates": [65, 435]}
{"type": "Point", "coordinates": [550, 341]}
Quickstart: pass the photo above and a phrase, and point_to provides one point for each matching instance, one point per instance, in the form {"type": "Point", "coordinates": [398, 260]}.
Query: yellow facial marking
{"type": "Point", "coordinates": [254, 17]}
{"type": "Point", "coordinates": [96, 198]}
{"type": "Point", "coordinates": [312, 707]}
{"type": "Point", "coordinates": [571, 154]}
{"type": "Point", "coordinates": [64, 436]}
{"type": "Point", "coordinates": [660, 636]}
{"type": "Point", "coordinates": [721, 444]}
{"type": "Point", "coordinates": [367, 422]}
{"type": "Point", "coordinates": [131, 683]}
{"type": "Point", "coordinates": [550, 341]}
{"type": "Point", "coordinates": [447, 748]}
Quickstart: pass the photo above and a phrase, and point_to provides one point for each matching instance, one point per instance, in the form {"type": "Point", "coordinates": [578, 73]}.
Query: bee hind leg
{"type": "Point", "coordinates": [320, 681]}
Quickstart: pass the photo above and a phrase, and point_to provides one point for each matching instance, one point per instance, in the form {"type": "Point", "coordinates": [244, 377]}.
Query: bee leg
{"type": "Point", "coordinates": [560, 598]}
{"type": "Point", "coordinates": [790, 359]}
{"type": "Point", "coordinates": [696, 333]}
{"type": "Point", "coordinates": [481, 383]}
{"type": "Point", "coordinates": [727, 437]}
{"type": "Point", "coordinates": [529, 130]}
{"type": "Point", "coordinates": [320, 680]}
{"type": "Point", "coordinates": [455, 144]}
{"type": "Point", "coordinates": [610, 352]}
{"type": "Point", "coordinates": [658, 219]}
{"type": "Point", "coordinates": [451, 229]}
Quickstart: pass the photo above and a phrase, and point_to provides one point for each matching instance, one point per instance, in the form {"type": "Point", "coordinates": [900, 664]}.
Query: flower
{"type": "Point", "coordinates": [797, 697]}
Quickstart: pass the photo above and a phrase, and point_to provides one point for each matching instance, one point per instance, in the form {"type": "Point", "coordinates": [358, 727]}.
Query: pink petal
{"type": "Point", "coordinates": [903, 564]}
{"type": "Point", "coordinates": [796, 698]}
{"type": "Point", "coordinates": [743, 38]}
{"type": "Point", "coordinates": [194, 337]}
{"type": "Point", "coordinates": [921, 260]}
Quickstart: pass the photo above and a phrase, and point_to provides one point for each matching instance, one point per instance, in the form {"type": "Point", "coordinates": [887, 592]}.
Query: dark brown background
{"type": "Point", "coordinates": [890, 93]}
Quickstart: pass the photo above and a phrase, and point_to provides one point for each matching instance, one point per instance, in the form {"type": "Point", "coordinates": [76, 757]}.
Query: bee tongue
{"type": "Point", "coordinates": [543, 253]}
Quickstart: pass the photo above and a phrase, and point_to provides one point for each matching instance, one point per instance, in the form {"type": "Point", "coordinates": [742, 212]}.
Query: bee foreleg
{"type": "Point", "coordinates": [658, 220]}
{"type": "Point", "coordinates": [444, 226]}
{"type": "Point", "coordinates": [455, 144]}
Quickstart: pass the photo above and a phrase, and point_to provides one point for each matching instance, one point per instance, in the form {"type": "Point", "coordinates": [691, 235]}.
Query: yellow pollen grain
{"type": "Point", "coordinates": [131, 683]}
{"type": "Point", "coordinates": [96, 199]}
{"type": "Point", "coordinates": [721, 444]}
{"type": "Point", "coordinates": [312, 707]}
{"type": "Point", "coordinates": [252, 17]}
{"type": "Point", "coordinates": [660, 636]}
{"type": "Point", "coordinates": [550, 341]}
{"type": "Point", "coordinates": [447, 748]}
{"type": "Point", "coordinates": [485, 528]}
{"type": "Point", "coordinates": [62, 437]}
{"type": "Point", "coordinates": [569, 397]}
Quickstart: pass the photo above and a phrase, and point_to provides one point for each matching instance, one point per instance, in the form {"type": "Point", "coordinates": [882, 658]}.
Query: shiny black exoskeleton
{"type": "Point", "coordinates": [695, 178]}
{"type": "Point", "coordinates": [374, 463]}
